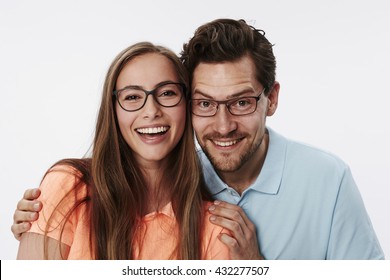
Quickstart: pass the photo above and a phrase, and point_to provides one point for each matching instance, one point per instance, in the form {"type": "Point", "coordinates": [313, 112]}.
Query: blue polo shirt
{"type": "Point", "coordinates": [304, 204]}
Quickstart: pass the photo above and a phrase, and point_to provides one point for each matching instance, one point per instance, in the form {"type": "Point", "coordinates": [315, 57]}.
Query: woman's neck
{"type": "Point", "coordinates": [158, 191]}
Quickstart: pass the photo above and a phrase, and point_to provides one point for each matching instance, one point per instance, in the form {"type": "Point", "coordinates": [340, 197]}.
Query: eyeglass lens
{"type": "Point", "coordinates": [238, 106]}
{"type": "Point", "coordinates": [134, 98]}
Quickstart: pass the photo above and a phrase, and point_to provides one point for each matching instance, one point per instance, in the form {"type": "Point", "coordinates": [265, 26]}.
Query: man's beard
{"type": "Point", "coordinates": [225, 161]}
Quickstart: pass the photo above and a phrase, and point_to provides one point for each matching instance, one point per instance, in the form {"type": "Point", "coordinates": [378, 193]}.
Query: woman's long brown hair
{"type": "Point", "coordinates": [117, 192]}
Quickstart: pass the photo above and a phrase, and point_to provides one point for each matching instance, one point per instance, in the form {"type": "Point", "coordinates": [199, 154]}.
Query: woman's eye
{"type": "Point", "coordinates": [168, 93]}
{"type": "Point", "coordinates": [131, 97]}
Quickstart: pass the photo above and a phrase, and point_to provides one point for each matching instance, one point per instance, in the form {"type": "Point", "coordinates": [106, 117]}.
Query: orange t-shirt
{"type": "Point", "coordinates": [159, 229]}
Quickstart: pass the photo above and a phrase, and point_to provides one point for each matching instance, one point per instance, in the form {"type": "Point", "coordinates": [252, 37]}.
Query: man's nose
{"type": "Point", "coordinates": [224, 120]}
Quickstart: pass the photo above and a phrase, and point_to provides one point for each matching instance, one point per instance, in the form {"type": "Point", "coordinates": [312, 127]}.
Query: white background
{"type": "Point", "coordinates": [333, 60]}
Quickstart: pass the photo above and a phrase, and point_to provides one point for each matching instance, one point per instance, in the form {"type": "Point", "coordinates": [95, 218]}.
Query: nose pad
{"type": "Point", "coordinates": [151, 108]}
{"type": "Point", "coordinates": [224, 121]}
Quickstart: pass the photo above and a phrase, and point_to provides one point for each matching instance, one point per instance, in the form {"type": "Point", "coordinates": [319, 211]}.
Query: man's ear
{"type": "Point", "coordinates": [273, 97]}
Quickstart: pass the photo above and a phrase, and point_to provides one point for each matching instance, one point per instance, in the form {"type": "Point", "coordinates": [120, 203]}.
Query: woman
{"type": "Point", "coordinates": [140, 196]}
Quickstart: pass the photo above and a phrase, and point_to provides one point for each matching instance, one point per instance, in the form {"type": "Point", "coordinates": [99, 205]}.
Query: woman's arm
{"type": "Point", "coordinates": [32, 244]}
{"type": "Point", "coordinates": [53, 232]}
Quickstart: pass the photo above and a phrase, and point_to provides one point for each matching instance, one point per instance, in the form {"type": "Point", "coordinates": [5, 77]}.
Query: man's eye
{"type": "Point", "coordinates": [241, 103]}
{"type": "Point", "coordinates": [204, 104]}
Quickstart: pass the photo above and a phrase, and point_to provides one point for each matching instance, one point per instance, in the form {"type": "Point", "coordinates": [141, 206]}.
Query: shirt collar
{"type": "Point", "coordinates": [270, 175]}
{"type": "Point", "coordinates": [272, 171]}
{"type": "Point", "coordinates": [213, 181]}
{"type": "Point", "coordinates": [167, 210]}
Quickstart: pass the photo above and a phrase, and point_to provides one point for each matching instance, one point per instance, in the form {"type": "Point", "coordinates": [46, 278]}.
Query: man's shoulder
{"type": "Point", "coordinates": [315, 153]}
{"type": "Point", "coordinates": [308, 155]}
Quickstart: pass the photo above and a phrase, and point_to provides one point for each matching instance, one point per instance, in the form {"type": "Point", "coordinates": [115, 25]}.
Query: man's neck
{"type": "Point", "coordinates": [247, 174]}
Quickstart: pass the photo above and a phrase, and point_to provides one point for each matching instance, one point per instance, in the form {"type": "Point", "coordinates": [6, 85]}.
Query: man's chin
{"type": "Point", "coordinates": [223, 162]}
{"type": "Point", "coordinates": [225, 165]}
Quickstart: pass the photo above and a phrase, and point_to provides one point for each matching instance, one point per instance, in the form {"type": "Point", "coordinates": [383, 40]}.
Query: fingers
{"type": "Point", "coordinates": [29, 205]}
{"type": "Point", "coordinates": [231, 217]}
{"type": "Point", "coordinates": [238, 234]}
{"type": "Point", "coordinates": [229, 241]}
{"type": "Point", "coordinates": [233, 212]}
{"type": "Point", "coordinates": [22, 222]}
{"type": "Point", "coordinates": [241, 237]}
{"type": "Point", "coordinates": [228, 219]}
{"type": "Point", "coordinates": [18, 229]}
{"type": "Point", "coordinates": [29, 202]}
{"type": "Point", "coordinates": [237, 251]}
{"type": "Point", "coordinates": [32, 194]}
{"type": "Point", "coordinates": [25, 216]}
{"type": "Point", "coordinates": [26, 212]}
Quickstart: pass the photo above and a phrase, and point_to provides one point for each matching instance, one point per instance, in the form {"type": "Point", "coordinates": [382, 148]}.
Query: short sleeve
{"type": "Point", "coordinates": [352, 235]}
{"type": "Point", "coordinates": [59, 196]}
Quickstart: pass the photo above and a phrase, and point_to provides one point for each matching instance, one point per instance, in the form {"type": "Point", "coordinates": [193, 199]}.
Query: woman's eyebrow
{"type": "Point", "coordinates": [141, 87]}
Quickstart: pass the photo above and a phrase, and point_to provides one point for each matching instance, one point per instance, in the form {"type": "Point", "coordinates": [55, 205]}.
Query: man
{"type": "Point", "coordinates": [303, 202]}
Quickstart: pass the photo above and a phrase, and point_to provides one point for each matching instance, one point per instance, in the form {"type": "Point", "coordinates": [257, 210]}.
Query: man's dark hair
{"type": "Point", "coordinates": [229, 40]}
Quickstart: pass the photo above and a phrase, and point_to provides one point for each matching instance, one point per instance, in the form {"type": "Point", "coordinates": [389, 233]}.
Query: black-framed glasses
{"type": "Point", "coordinates": [239, 106]}
{"type": "Point", "coordinates": [133, 98]}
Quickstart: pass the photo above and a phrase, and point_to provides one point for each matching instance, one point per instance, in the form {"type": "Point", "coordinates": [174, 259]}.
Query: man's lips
{"type": "Point", "coordinates": [225, 143]}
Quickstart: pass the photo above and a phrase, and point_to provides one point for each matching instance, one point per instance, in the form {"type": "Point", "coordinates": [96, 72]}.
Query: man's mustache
{"type": "Point", "coordinates": [230, 135]}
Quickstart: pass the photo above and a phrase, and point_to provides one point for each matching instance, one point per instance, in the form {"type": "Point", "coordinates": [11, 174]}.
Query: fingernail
{"type": "Point", "coordinates": [212, 208]}
{"type": "Point", "coordinates": [33, 215]}
{"type": "Point", "coordinates": [217, 202]}
{"type": "Point", "coordinates": [212, 218]}
{"type": "Point", "coordinates": [36, 206]}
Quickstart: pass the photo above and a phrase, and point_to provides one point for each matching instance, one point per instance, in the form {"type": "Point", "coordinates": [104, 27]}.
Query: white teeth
{"type": "Point", "coordinates": [225, 144]}
{"type": "Point", "coordinates": [152, 130]}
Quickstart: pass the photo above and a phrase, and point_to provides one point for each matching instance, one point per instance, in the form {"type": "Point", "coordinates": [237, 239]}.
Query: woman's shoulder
{"type": "Point", "coordinates": [65, 174]}
{"type": "Point", "coordinates": [212, 247]}
{"type": "Point", "coordinates": [206, 214]}
{"type": "Point", "coordinates": [207, 204]}
{"type": "Point", "coordinates": [73, 166]}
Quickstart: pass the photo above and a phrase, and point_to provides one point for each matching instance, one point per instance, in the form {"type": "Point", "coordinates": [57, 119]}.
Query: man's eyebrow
{"type": "Point", "coordinates": [205, 95]}
{"type": "Point", "coordinates": [234, 95]}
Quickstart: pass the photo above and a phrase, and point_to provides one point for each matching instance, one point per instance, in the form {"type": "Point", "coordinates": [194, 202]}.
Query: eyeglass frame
{"type": "Point", "coordinates": [151, 92]}
{"type": "Point", "coordinates": [226, 103]}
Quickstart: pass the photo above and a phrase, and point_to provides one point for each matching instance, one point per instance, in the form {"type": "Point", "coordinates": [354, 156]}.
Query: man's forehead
{"type": "Point", "coordinates": [228, 78]}
{"type": "Point", "coordinates": [225, 73]}
{"type": "Point", "coordinates": [227, 91]}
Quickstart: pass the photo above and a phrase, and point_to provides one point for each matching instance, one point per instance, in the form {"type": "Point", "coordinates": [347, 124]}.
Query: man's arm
{"type": "Point", "coordinates": [242, 242]}
{"type": "Point", "coordinates": [27, 211]}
